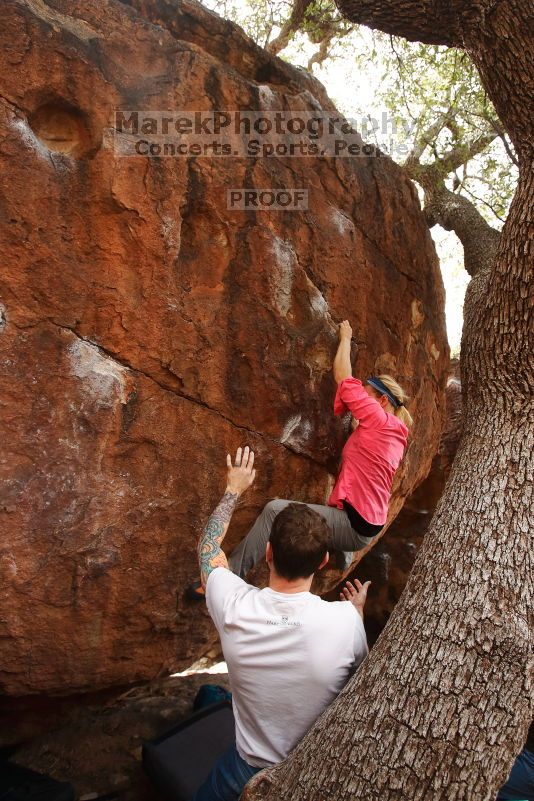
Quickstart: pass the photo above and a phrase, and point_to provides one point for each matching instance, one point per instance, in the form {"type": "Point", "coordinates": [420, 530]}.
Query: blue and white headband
{"type": "Point", "coordinates": [377, 384]}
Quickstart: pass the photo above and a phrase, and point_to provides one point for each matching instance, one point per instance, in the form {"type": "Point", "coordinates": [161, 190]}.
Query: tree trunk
{"type": "Point", "coordinates": [442, 705]}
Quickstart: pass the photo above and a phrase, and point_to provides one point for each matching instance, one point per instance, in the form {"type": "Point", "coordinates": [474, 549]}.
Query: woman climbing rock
{"type": "Point", "coordinates": [358, 504]}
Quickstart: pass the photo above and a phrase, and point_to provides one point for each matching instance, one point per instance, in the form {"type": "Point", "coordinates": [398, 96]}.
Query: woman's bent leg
{"type": "Point", "coordinates": [342, 535]}
{"type": "Point", "coordinates": [252, 549]}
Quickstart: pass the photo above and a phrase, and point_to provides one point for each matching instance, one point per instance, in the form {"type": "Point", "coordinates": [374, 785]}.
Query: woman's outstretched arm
{"type": "Point", "coordinates": [351, 396]}
{"type": "Point", "coordinates": [342, 367]}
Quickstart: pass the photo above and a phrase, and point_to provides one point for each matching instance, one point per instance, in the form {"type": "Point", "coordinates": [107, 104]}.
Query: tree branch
{"type": "Point", "coordinates": [502, 135]}
{"type": "Point", "coordinates": [454, 212]}
{"type": "Point", "coordinates": [428, 21]}
{"type": "Point", "coordinates": [322, 53]}
{"type": "Point", "coordinates": [290, 26]}
{"type": "Point", "coordinates": [456, 157]}
{"type": "Point", "coordinates": [336, 28]}
{"type": "Point", "coordinates": [427, 137]}
{"type": "Point", "coordinates": [482, 200]}
{"type": "Point", "coordinates": [401, 78]}
{"type": "Point", "coordinates": [464, 152]}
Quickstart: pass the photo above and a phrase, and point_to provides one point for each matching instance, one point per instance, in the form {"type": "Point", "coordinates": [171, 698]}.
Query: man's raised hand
{"type": "Point", "coordinates": [345, 330]}
{"type": "Point", "coordinates": [355, 593]}
{"type": "Point", "coordinates": [242, 474]}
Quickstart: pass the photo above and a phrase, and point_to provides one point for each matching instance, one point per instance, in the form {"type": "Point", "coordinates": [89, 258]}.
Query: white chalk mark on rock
{"type": "Point", "coordinates": [8, 565]}
{"type": "Point", "coordinates": [103, 376]}
{"type": "Point", "coordinates": [28, 137]}
{"type": "Point", "coordinates": [268, 99]}
{"type": "Point", "coordinates": [341, 221]}
{"type": "Point", "coordinates": [290, 426]}
{"type": "Point", "coordinates": [285, 267]}
{"type": "Point", "coordinates": [171, 235]}
{"type": "Point", "coordinates": [77, 27]}
{"type": "Point", "coordinates": [317, 300]}
{"type": "Point", "coordinates": [290, 432]}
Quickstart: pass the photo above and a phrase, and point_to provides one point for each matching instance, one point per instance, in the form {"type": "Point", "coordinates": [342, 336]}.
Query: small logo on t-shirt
{"type": "Point", "coordinates": [283, 620]}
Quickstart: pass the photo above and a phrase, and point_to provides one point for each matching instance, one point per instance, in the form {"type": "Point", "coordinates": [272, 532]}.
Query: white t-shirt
{"type": "Point", "coordinates": [288, 657]}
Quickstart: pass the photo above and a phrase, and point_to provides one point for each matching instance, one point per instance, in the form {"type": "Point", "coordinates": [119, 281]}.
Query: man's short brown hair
{"type": "Point", "coordinates": [299, 539]}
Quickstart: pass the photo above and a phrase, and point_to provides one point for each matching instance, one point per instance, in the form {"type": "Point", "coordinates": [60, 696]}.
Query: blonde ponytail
{"type": "Point", "coordinates": [397, 391]}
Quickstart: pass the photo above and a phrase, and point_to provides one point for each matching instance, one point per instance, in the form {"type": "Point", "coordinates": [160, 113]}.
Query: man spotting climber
{"type": "Point", "coordinates": [288, 652]}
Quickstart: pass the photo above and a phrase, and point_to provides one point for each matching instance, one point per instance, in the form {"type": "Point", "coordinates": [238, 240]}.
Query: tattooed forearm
{"type": "Point", "coordinates": [210, 554]}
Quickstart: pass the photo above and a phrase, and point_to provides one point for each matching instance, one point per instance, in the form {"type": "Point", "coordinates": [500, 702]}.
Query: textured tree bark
{"type": "Point", "coordinates": [442, 706]}
{"type": "Point", "coordinates": [429, 21]}
{"type": "Point", "coordinates": [454, 212]}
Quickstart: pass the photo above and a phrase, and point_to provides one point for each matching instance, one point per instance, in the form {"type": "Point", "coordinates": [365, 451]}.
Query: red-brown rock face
{"type": "Point", "coordinates": [146, 330]}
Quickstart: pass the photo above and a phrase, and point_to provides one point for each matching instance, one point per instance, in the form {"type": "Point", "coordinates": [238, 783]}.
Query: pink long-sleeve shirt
{"type": "Point", "coordinates": [371, 454]}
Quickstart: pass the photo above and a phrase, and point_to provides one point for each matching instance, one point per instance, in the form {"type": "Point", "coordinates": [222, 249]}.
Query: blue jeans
{"type": "Point", "coordinates": [227, 778]}
{"type": "Point", "coordinates": [520, 782]}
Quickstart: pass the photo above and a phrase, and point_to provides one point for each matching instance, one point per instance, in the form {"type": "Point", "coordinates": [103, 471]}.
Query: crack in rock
{"type": "Point", "coordinates": [95, 364]}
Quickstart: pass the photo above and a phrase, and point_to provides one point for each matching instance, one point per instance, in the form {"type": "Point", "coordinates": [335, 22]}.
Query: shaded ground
{"type": "Point", "coordinates": [99, 751]}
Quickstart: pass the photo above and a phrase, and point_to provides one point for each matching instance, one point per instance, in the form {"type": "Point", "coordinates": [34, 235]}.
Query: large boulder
{"type": "Point", "coordinates": [146, 329]}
